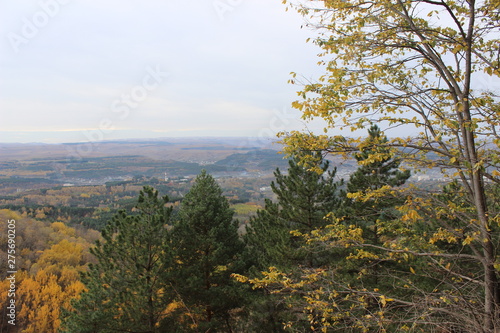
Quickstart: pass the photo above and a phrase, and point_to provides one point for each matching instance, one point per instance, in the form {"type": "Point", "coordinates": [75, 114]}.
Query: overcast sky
{"type": "Point", "coordinates": [77, 70]}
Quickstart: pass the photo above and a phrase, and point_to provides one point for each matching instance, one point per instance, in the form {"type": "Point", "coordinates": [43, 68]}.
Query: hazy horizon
{"type": "Point", "coordinates": [187, 138]}
{"type": "Point", "coordinates": [73, 69]}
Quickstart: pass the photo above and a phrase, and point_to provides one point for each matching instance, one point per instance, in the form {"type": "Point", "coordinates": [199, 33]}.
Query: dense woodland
{"type": "Point", "coordinates": [367, 253]}
{"type": "Point", "coordinates": [157, 267]}
{"type": "Point", "coordinates": [27, 168]}
{"type": "Point", "coordinates": [92, 206]}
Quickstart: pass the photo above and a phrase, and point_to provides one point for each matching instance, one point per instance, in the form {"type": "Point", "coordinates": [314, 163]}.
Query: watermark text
{"type": "Point", "coordinates": [11, 271]}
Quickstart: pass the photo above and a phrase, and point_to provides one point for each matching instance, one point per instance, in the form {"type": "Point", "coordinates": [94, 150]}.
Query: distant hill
{"type": "Point", "coordinates": [195, 150]}
{"type": "Point", "coordinates": [38, 166]}
{"type": "Point", "coordinates": [263, 159]}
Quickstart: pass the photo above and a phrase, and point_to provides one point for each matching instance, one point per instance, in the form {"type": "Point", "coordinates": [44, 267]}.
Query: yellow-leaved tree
{"type": "Point", "coordinates": [49, 260]}
{"type": "Point", "coordinates": [425, 72]}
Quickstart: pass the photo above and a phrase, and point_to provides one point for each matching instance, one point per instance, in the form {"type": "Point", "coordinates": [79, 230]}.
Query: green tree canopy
{"type": "Point", "coordinates": [128, 290]}
{"type": "Point", "coordinates": [377, 169]}
{"type": "Point", "coordinates": [304, 196]}
{"type": "Point", "coordinates": [208, 251]}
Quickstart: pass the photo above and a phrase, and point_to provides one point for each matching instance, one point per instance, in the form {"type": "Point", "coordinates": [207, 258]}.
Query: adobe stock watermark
{"type": "Point", "coordinates": [120, 109]}
{"type": "Point", "coordinates": [11, 310]}
{"type": "Point", "coordinates": [223, 7]}
{"type": "Point", "coordinates": [486, 83]}
{"type": "Point", "coordinates": [278, 123]}
{"type": "Point", "coordinates": [31, 26]}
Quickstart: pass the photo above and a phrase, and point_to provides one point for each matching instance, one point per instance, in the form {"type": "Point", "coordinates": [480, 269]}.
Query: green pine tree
{"type": "Point", "coordinates": [304, 197]}
{"type": "Point", "coordinates": [127, 289]}
{"type": "Point", "coordinates": [208, 251]}
{"type": "Point", "coordinates": [377, 169]}
{"type": "Point", "coordinates": [268, 238]}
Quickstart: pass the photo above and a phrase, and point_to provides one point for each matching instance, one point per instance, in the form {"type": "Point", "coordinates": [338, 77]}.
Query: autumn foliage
{"type": "Point", "coordinates": [50, 258]}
